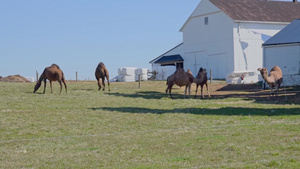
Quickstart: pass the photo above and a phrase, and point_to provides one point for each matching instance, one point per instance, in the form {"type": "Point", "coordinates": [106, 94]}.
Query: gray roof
{"type": "Point", "coordinates": [288, 35]}
{"type": "Point", "coordinates": [259, 10]}
{"type": "Point", "coordinates": [166, 52]}
{"type": "Point", "coordinates": [170, 60]}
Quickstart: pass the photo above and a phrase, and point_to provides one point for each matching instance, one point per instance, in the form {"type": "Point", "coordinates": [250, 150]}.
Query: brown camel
{"type": "Point", "coordinates": [52, 73]}
{"type": "Point", "coordinates": [201, 79]}
{"type": "Point", "coordinates": [274, 79]}
{"type": "Point", "coordinates": [180, 78]}
{"type": "Point", "coordinates": [100, 73]}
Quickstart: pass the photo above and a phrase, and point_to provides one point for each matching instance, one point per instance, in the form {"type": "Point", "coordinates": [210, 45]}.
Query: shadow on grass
{"type": "Point", "coordinates": [289, 95]}
{"type": "Point", "coordinates": [143, 94]}
{"type": "Point", "coordinates": [229, 111]}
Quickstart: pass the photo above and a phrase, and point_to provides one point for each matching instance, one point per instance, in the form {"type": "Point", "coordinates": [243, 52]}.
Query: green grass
{"type": "Point", "coordinates": [130, 127]}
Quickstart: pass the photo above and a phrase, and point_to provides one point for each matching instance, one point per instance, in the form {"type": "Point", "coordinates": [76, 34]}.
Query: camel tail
{"type": "Point", "coordinates": [64, 80]}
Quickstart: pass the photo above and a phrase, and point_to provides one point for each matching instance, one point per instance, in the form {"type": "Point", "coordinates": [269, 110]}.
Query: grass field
{"type": "Point", "coordinates": [130, 127]}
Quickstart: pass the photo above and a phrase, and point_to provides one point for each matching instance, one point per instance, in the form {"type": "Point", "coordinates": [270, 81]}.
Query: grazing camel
{"type": "Point", "coordinates": [180, 78]}
{"type": "Point", "coordinates": [52, 73]}
{"type": "Point", "coordinates": [100, 73]}
{"type": "Point", "coordinates": [274, 79]}
{"type": "Point", "coordinates": [201, 79]}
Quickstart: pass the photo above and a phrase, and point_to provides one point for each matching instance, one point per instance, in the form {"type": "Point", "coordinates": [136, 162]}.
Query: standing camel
{"type": "Point", "coordinates": [52, 73]}
{"type": "Point", "coordinates": [100, 73]}
{"type": "Point", "coordinates": [201, 79]}
{"type": "Point", "coordinates": [274, 79]}
{"type": "Point", "coordinates": [180, 78]}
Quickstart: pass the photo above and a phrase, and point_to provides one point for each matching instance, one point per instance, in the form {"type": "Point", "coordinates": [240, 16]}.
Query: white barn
{"type": "Point", "coordinates": [226, 36]}
{"type": "Point", "coordinates": [283, 49]}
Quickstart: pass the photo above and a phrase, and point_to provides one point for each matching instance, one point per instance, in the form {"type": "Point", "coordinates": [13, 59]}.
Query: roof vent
{"type": "Point", "coordinates": [295, 1]}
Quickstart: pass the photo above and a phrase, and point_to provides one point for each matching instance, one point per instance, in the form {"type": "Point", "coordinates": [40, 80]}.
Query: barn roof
{"type": "Point", "coordinates": [259, 10]}
{"type": "Point", "coordinates": [288, 35]}
{"type": "Point", "coordinates": [169, 60]}
{"type": "Point", "coordinates": [165, 53]}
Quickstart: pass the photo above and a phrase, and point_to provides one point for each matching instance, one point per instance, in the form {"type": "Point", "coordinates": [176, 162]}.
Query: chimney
{"type": "Point", "coordinates": [295, 1]}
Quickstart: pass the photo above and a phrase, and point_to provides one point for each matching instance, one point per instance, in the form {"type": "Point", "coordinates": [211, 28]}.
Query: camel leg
{"type": "Point", "coordinates": [65, 84]}
{"type": "Point", "coordinates": [190, 90]}
{"type": "Point", "coordinates": [276, 91]}
{"type": "Point", "coordinates": [60, 86]}
{"type": "Point", "coordinates": [202, 91]}
{"type": "Point", "coordinates": [167, 89]}
{"type": "Point", "coordinates": [45, 80]}
{"type": "Point", "coordinates": [99, 84]}
{"type": "Point", "coordinates": [170, 88]}
{"type": "Point", "coordinates": [103, 84]}
{"type": "Point", "coordinates": [271, 93]}
{"type": "Point", "coordinates": [51, 86]}
{"type": "Point", "coordinates": [108, 83]}
{"type": "Point", "coordinates": [185, 90]}
{"type": "Point", "coordinates": [197, 85]}
{"type": "Point", "coordinates": [207, 89]}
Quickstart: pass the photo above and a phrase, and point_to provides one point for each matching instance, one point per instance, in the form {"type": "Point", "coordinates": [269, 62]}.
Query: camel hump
{"type": "Point", "coordinates": [55, 65]}
{"type": "Point", "coordinates": [191, 77]}
{"type": "Point", "coordinates": [276, 68]}
{"type": "Point", "coordinates": [276, 71]}
{"type": "Point", "coordinates": [179, 70]}
{"type": "Point", "coordinates": [189, 71]}
{"type": "Point", "coordinates": [101, 64]}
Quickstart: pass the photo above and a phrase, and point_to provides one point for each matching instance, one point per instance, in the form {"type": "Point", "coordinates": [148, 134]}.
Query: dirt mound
{"type": "Point", "coordinates": [14, 78]}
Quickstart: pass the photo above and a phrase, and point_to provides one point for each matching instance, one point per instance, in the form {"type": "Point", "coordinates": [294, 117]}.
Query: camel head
{"type": "Point", "coordinates": [204, 71]}
{"type": "Point", "coordinates": [37, 86]}
{"type": "Point", "coordinates": [200, 70]}
{"type": "Point", "coordinates": [263, 71]}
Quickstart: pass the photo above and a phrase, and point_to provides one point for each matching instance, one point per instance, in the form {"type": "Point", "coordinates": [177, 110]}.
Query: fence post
{"type": "Point", "coordinates": [139, 81]}
{"type": "Point", "coordinates": [37, 75]}
{"type": "Point", "coordinates": [210, 76]}
{"type": "Point", "coordinates": [76, 76]}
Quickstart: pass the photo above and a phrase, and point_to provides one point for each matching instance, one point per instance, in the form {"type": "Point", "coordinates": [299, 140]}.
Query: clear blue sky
{"type": "Point", "coordinates": [78, 34]}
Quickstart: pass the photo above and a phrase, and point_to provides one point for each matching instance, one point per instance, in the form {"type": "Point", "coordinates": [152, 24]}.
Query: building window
{"type": "Point", "coordinates": [206, 20]}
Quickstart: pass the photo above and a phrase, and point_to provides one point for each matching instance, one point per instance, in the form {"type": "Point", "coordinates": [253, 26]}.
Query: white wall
{"type": "Point", "coordinates": [287, 57]}
{"type": "Point", "coordinates": [248, 43]}
{"type": "Point", "coordinates": [209, 46]}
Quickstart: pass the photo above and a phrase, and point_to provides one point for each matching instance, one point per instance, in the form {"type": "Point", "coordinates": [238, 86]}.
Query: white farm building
{"type": "Point", "coordinates": [226, 36]}
{"type": "Point", "coordinates": [283, 50]}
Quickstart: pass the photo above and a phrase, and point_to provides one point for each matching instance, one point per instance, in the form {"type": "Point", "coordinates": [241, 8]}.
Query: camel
{"type": "Point", "coordinates": [274, 79]}
{"type": "Point", "coordinates": [100, 73]}
{"type": "Point", "coordinates": [52, 73]}
{"type": "Point", "coordinates": [201, 79]}
{"type": "Point", "coordinates": [180, 78]}
{"type": "Point", "coordinates": [170, 80]}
